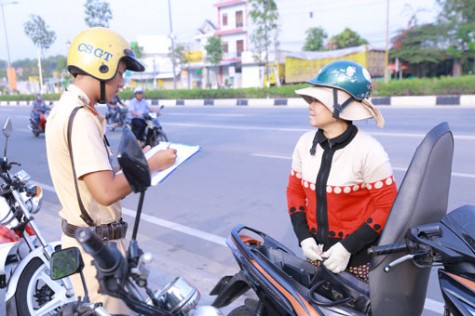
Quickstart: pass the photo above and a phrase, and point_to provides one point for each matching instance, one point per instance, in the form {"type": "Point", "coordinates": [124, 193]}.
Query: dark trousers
{"type": "Point", "coordinates": [138, 127]}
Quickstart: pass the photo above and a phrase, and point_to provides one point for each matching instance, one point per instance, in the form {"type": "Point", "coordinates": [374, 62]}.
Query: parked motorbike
{"type": "Point", "coordinates": [25, 285]}
{"type": "Point", "coordinates": [417, 236]}
{"type": "Point", "coordinates": [126, 278]}
{"type": "Point", "coordinates": [153, 132]}
{"type": "Point", "coordinates": [39, 127]}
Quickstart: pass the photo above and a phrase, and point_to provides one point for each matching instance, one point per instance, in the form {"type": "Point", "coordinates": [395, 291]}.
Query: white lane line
{"type": "Point", "coordinates": [163, 222]}
{"type": "Point", "coordinates": [177, 227]}
{"type": "Point", "coordinates": [454, 174]}
{"type": "Point", "coordinates": [430, 304]}
{"type": "Point", "coordinates": [434, 306]}
{"type": "Point", "coordinates": [289, 129]}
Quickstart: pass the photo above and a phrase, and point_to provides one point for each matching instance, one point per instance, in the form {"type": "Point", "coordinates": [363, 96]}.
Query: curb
{"type": "Point", "coordinates": [409, 101]}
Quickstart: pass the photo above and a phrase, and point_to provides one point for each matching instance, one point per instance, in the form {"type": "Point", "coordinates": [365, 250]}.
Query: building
{"type": "Point", "coordinates": [233, 26]}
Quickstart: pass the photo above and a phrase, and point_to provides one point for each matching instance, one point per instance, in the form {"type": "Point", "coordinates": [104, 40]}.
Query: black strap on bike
{"type": "Point", "coordinates": [84, 215]}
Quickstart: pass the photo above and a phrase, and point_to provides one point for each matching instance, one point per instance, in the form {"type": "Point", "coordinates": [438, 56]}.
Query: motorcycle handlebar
{"type": "Point", "coordinates": [387, 249]}
{"type": "Point", "coordinates": [107, 258]}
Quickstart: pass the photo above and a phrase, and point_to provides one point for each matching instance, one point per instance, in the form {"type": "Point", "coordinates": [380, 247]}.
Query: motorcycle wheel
{"type": "Point", "coordinates": [162, 137]}
{"type": "Point", "coordinates": [37, 293]}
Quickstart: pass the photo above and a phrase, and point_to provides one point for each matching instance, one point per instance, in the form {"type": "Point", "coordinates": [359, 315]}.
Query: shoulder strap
{"type": "Point", "coordinates": [84, 215]}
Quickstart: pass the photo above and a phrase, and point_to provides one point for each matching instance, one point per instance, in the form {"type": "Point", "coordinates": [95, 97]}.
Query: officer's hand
{"type": "Point", "coordinates": [162, 159]}
{"type": "Point", "coordinates": [311, 250]}
{"type": "Point", "coordinates": [337, 258]}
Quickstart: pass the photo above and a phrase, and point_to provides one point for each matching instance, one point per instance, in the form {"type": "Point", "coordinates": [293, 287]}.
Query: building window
{"type": "Point", "coordinates": [239, 22]}
{"type": "Point", "coordinates": [225, 19]}
{"type": "Point", "coordinates": [225, 47]}
{"type": "Point", "coordinates": [239, 47]}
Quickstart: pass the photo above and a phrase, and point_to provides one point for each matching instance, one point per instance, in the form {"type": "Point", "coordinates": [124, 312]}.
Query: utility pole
{"type": "Point", "coordinates": [2, 4]}
{"type": "Point", "coordinates": [173, 43]}
{"type": "Point", "coordinates": [386, 53]}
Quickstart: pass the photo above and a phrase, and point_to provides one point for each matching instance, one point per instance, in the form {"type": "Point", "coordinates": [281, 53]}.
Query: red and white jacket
{"type": "Point", "coordinates": [342, 192]}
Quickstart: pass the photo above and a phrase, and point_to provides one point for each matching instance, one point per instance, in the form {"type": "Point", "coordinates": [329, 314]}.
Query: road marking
{"type": "Point", "coordinates": [291, 129]}
{"type": "Point", "coordinates": [177, 227]}
{"type": "Point", "coordinates": [454, 174]}
{"type": "Point", "coordinates": [208, 114]}
{"type": "Point", "coordinates": [434, 306]}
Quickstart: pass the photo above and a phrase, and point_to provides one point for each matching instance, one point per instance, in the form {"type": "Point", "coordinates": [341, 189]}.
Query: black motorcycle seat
{"type": "Point", "coordinates": [305, 272]}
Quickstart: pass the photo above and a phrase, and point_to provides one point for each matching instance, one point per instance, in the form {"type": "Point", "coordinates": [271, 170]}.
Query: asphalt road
{"type": "Point", "coordinates": [239, 177]}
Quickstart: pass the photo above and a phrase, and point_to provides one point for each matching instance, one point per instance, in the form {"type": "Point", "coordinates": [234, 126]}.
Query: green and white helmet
{"type": "Point", "coordinates": [347, 76]}
{"type": "Point", "coordinates": [343, 87]}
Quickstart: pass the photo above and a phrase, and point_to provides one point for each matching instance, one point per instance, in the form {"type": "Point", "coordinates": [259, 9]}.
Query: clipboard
{"type": "Point", "coordinates": [183, 153]}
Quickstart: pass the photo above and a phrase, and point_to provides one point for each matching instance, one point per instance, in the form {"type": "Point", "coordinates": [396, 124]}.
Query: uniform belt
{"type": "Point", "coordinates": [111, 231]}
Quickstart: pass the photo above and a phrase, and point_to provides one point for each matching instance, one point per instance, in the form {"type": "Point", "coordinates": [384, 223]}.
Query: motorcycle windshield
{"type": "Point", "coordinates": [462, 221]}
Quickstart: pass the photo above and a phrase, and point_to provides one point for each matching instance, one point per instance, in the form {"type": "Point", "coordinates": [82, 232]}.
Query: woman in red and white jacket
{"type": "Point", "coordinates": [341, 186]}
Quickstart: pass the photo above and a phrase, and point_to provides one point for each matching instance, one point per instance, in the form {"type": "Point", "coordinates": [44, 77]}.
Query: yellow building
{"type": "Point", "coordinates": [301, 66]}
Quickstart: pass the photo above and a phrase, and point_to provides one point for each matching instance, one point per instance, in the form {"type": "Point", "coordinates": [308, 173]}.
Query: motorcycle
{"type": "Point", "coordinates": [418, 236]}
{"type": "Point", "coordinates": [116, 116]}
{"type": "Point", "coordinates": [126, 278]}
{"type": "Point", "coordinates": [38, 127]}
{"type": "Point", "coordinates": [153, 132]}
{"type": "Point", "coordinates": [25, 285]}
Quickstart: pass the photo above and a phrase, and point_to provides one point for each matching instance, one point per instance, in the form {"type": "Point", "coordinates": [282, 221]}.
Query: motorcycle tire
{"type": "Point", "coordinates": [162, 137]}
{"type": "Point", "coordinates": [155, 137]}
{"type": "Point", "coordinates": [36, 291]}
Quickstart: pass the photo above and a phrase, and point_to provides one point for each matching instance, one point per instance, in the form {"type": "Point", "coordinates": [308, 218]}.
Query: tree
{"type": "Point", "coordinates": [98, 13]}
{"type": "Point", "coordinates": [265, 16]}
{"type": "Point", "coordinates": [37, 30]}
{"type": "Point", "coordinates": [458, 18]}
{"type": "Point", "coordinates": [136, 49]}
{"type": "Point", "coordinates": [214, 52]}
{"type": "Point", "coordinates": [180, 57]}
{"type": "Point", "coordinates": [420, 47]}
{"type": "Point", "coordinates": [347, 38]}
{"type": "Point", "coordinates": [316, 36]}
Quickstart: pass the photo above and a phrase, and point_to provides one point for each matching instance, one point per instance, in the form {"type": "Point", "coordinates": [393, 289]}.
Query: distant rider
{"type": "Point", "coordinates": [138, 107]}
{"type": "Point", "coordinates": [39, 106]}
{"type": "Point", "coordinates": [116, 111]}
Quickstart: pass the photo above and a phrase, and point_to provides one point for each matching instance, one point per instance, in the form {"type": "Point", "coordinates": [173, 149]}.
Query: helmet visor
{"type": "Point", "coordinates": [131, 62]}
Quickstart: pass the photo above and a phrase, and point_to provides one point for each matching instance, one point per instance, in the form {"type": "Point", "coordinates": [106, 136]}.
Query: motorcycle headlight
{"type": "Point", "coordinates": [178, 297]}
{"type": "Point", "coordinates": [36, 198]}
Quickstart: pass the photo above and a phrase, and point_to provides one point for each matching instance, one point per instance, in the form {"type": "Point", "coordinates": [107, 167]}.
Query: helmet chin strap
{"type": "Point", "coordinates": [337, 107]}
{"type": "Point", "coordinates": [102, 98]}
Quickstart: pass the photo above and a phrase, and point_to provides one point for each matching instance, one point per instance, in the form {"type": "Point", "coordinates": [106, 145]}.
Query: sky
{"type": "Point", "coordinates": [132, 18]}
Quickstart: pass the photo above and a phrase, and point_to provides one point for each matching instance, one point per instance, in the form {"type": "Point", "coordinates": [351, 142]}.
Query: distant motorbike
{"type": "Point", "coordinates": [126, 278]}
{"type": "Point", "coordinates": [417, 236]}
{"type": "Point", "coordinates": [24, 253]}
{"type": "Point", "coordinates": [39, 127]}
{"type": "Point", "coordinates": [148, 129]}
{"type": "Point", "coordinates": [116, 117]}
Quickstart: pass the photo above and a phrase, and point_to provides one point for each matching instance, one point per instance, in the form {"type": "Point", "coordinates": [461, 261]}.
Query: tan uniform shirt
{"type": "Point", "coordinates": [90, 155]}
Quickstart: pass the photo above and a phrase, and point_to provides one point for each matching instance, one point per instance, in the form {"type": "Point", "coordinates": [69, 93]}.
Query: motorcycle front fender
{"type": "Point", "coordinates": [228, 289]}
{"type": "Point", "coordinates": [15, 277]}
{"type": "Point", "coordinates": [6, 250]}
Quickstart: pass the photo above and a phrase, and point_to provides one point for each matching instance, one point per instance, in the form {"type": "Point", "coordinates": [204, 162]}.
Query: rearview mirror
{"type": "Point", "coordinates": [66, 262]}
{"type": "Point", "coordinates": [7, 128]}
{"type": "Point", "coordinates": [133, 163]}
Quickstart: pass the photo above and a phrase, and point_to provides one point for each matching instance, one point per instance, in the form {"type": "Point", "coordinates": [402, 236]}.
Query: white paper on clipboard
{"type": "Point", "coordinates": [183, 153]}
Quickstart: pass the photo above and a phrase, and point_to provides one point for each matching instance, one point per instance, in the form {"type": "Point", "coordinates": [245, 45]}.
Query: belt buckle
{"type": "Point", "coordinates": [102, 231]}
